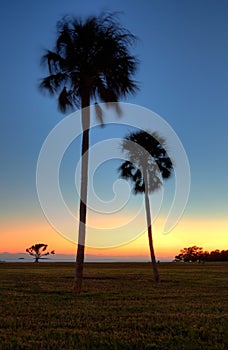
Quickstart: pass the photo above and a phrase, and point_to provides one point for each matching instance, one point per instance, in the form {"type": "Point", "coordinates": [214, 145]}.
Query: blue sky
{"type": "Point", "coordinates": [183, 75]}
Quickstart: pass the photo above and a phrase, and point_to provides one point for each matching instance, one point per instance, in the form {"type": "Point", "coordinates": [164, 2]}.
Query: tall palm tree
{"type": "Point", "coordinates": [90, 61]}
{"type": "Point", "coordinates": [148, 164]}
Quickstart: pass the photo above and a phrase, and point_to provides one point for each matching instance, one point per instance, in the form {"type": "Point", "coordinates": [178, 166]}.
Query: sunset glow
{"type": "Point", "coordinates": [182, 78]}
{"type": "Point", "coordinates": [206, 233]}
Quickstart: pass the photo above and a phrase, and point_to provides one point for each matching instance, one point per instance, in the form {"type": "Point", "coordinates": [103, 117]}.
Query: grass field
{"type": "Point", "coordinates": [120, 307]}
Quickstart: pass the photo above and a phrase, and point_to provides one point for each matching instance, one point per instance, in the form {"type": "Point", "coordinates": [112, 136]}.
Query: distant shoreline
{"type": "Point", "coordinates": [59, 257]}
{"type": "Point", "coordinates": [72, 261]}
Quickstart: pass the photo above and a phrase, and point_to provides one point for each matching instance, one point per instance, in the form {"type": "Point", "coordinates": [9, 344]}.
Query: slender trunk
{"type": "Point", "coordinates": [149, 227]}
{"type": "Point", "coordinates": [83, 195]}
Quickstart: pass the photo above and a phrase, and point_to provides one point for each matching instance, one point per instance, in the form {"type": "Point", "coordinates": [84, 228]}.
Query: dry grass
{"type": "Point", "coordinates": [120, 307]}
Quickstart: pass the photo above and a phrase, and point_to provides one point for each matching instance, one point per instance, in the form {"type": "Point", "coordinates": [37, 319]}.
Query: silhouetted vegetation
{"type": "Point", "coordinates": [196, 254]}
{"type": "Point", "coordinates": [148, 164]}
{"type": "Point", "coordinates": [90, 61]}
{"type": "Point", "coordinates": [217, 255]}
{"type": "Point", "coordinates": [38, 251]}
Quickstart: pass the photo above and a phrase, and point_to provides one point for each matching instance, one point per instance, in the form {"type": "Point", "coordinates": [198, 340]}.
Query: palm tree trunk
{"type": "Point", "coordinates": [83, 196]}
{"type": "Point", "coordinates": [149, 227]}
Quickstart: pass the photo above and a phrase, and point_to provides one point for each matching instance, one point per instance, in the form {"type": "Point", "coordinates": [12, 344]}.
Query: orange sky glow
{"type": "Point", "coordinates": [209, 234]}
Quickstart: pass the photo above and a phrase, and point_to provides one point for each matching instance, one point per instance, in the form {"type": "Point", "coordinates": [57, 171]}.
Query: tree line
{"type": "Point", "coordinates": [197, 254]}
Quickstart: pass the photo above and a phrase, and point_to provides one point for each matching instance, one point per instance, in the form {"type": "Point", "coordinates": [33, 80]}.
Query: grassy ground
{"type": "Point", "coordinates": [120, 307]}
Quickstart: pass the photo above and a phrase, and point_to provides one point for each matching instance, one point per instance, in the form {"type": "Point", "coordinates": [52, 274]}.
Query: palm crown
{"type": "Point", "coordinates": [147, 155]}
{"type": "Point", "coordinates": [93, 56]}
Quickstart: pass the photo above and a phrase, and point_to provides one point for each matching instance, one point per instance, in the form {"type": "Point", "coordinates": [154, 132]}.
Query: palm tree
{"type": "Point", "coordinates": [148, 164]}
{"type": "Point", "coordinates": [90, 62]}
{"type": "Point", "coordinates": [38, 251]}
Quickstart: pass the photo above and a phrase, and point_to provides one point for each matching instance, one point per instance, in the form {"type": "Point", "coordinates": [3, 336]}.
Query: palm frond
{"type": "Point", "coordinates": [52, 83]}
{"type": "Point", "coordinates": [126, 170]}
{"type": "Point", "coordinates": [53, 60]}
{"type": "Point", "coordinates": [165, 166]}
{"type": "Point", "coordinates": [46, 85]}
{"type": "Point", "coordinates": [139, 187]}
{"type": "Point", "coordinates": [64, 41]}
{"type": "Point", "coordinates": [65, 100]}
{"type": "Point", "coordinates": [129, 171]}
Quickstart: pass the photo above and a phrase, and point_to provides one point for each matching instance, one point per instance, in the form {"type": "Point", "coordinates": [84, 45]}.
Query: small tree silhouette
{"type": "Point", "coordinates": [37, 250]}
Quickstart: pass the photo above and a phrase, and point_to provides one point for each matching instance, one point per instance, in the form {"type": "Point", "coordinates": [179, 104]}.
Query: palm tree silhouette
{"type": "Point", "coordinates": [90, 62]}
{"type": "Point", "coordinates": [148, 164]}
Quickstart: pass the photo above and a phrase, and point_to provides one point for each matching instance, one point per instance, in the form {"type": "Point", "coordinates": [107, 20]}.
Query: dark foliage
{"type": "Point", "coordinates": [38, 251]}
{"type": "Point", "coordinates": [146, 151]}
{"type": "Point", "coordinates": [93, 55]}
{"type": "Point", "coordinates": [196, 254]}
{"type": "Point", "coordinates": [217, 255]}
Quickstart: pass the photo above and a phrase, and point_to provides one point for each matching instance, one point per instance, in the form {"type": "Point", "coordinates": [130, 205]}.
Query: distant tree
{"type": "Point", "coordinates": [217, 255]}
{"type": "Point", "coordinates": [148, 164]}
{"type": "Point", "coordinates": [195, 253]}
{"type": "Point", "coordinates": [191, 254]}
{"type": "Point", "coordinates": [224, 255]}
{"type": "Point", "coordinates": [38, 251]}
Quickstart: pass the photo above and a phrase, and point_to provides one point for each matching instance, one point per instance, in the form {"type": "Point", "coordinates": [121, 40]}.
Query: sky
{"type": "Point", "coordinates": [183, 77]}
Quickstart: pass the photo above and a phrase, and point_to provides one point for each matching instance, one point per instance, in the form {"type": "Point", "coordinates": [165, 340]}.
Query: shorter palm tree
{"type": "Point", "coordinates": [38, 251]}
{"type": "Point", "coordinates": [148, 164]}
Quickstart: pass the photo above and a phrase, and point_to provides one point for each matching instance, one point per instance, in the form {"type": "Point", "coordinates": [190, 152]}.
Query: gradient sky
{"type": "Point", "coordinates": [183, 75]}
